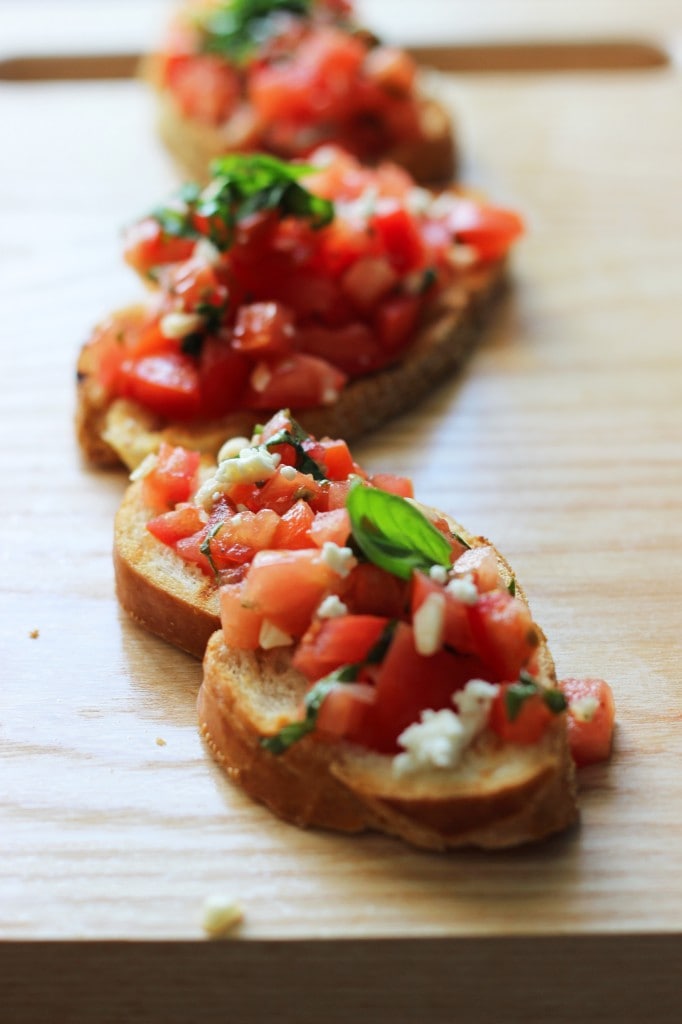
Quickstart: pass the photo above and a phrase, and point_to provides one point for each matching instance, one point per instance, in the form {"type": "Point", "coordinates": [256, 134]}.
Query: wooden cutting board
{"type": "Point", "coordinates": [562, 441]}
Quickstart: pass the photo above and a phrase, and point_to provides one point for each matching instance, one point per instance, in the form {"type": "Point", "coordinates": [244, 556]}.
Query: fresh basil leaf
{"type": "Point", "coordinates": [516, 696]}
{"type": "Point", "coordinates": [393, 534]}
{"type": "Point", "coordinates": [555, 700]}
{"type": "Point", "coordinates": [205, 546]}
{"type": "Point", "coordinates": [511, 586]}
{"type": "Point", "coordinates": [304, 462]}
{"type": "Point", "coordinates": [234, 29]}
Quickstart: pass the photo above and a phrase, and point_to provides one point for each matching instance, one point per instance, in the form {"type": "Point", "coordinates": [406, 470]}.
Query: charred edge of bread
{"type": "Point", "coordinates": [158, 590]}
{"type": "Point", "coordinates": [500, 795]}
{"type": "Point", "coordinates": [431, 159]}
{"type": "Point", "coordinates": [111, 433]}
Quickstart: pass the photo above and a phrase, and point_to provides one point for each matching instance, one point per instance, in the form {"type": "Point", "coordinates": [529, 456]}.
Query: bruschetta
{"type": "Point", "coordinates": [341, 292]}
{"type": "Point", "coordinates": [368, 662]}
{"type": "Point", "coordinates": [286, 76]}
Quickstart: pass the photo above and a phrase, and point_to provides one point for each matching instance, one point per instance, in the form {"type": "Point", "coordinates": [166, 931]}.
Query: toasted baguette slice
{"type": "Point", "coordinates": [160, 591]}
{"type": "Point", "coordinates": [431, 159]}
{"type": "Point", "coordinates": [499, 795]}
{"type": "Point", "coordinates": [112, 433]}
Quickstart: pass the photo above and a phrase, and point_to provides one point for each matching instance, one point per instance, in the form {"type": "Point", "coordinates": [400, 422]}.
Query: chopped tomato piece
{"type": "Point", "coordinates": [481, 563]}
{"type": "Point", "coordinates": [205, 86]}
{"type": "Point", "coordinates": [353, 348]}
{"type": "Point", "coordinates": [264, 328]}
{"type": "Point", "coordinates": [330, 643]}
{"type": "Point", "coordinates": [241, 624]}
{"type": "Point", "coordinates": [167, 384]}
{"type": "Point", "coordinates": [147, 245]}
{"type": "Point", "coordinates": [530, 723]}
{"type": "Point", "coordinates": [337, 459]}
{"type": "Point", "coordinates": [280, 492]}
{"type": "Point", "coordinates": [456, 631]}
{"type": "Point", "coordinates": [347, 712]}
{"type": "Point", "coordinates": [370, 590]}
{"type": "Point", "coordinates": [173, 479]}
{"type": "Point", "coordinates": [396, 321]}
{"type": "Point", "coordinates": [488, 229]}
{"type": "Point", "coordinates": [299, 380]}
{"type": "Point", "coordinates": [400, 485]}
{"type": "Point", "coordinates": [504, 634]}
{"type": "Point", "coordinates": [223, 377]}
{"type": "Point", "coordinates": [400, 237]}
{"type": "Point", "coordinates": [237, 538]}
{"type": "Point", "coordinates": [288, 586]}
{"type": "Point", "coordinates": [591, 715]}
{"type": "Point", "coordinates": [330, 526]}
{"type": "Point", "coordinates": [170, 527]}
{"type": "Point", "coordinates": [293, 530]}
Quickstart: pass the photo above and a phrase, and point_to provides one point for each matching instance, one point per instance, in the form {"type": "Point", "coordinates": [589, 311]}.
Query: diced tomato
{"type": "Point", "coordinates": [489, 230]}
{"type": "Point", "coordinates": [481, 563]}
{"type": "Point", "coordinates": [300, 381]}
{"type": "Point", "coordinates": [407, 683]}
{"type": "Point", "coordinates": [205, 87]}
{"type": "Point", "coordinates": [590, 726]}
{"type": "Point", "coordinates": [504, 634]}
{"type": "Point", "coordinates": [347, 712]}
{"type": "Point", "coordinates": [241, 624]}
{"type": "Point", "coordinates": [331, 526]}
{"type": "Point", "coordinates": [280, 492]}
{"type": "Point", "coordinates": [530, 723]}
{"type": "Point", "coordinates": [400, 485]}
{"type": "Point", "coordinates": [170, 527]}
{"type": "Point", "coordinates": [173, 478]}
{"type": "Point", "coordinates": [167, 384]}
{"type": "Point", "coordinates": [337, 459]}
{"type": "Point", "coordinates": [396, 321]}
{"type": "Point", "coordinates": [400, 237]}
{"type": "Point", "coordinates": [189, 549]}
{"type": "Point", "coordinates": [457, 631]}
{"type": "Point", "coordinates": [330, 643]}
{"type": "Point", "coordinates": [278, 422]}
{"type": "Point", "coordinates": [369, 590]}
{"type": "Point", "coordinates": [293, 529]}
{"type": "Point", "coordinates": [239, 537]}
{"type": "Point", "coordinates": [223, 377]}
{"type": "Point", "coordinates": [353, 348]}
{"type": "Point", "coordinates": [367, 280]}
{"type": "Point", "coordinates": [264, 328]}
{"type": "Point", "coordinates": [147, 245]}
{"type": "Point", "coordinates": [288, 586]}
{"type": "Point", "coordinates": [391, 68]}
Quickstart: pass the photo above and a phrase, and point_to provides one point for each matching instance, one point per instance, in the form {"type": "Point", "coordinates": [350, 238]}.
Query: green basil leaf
{"type": "Point", "coordinates": [234, 29]}
{"type": "Point", "coordinates": [304, 462]}
{"type": "Point", "coordinates": [393, 534]}
{"type": "Point", "coordinates": [555, 700]}
{"type": "Point", "coordinates": [516, 696]}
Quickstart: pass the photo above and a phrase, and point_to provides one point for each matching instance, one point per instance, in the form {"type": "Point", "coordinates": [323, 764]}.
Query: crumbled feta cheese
{"type": "Point", "coordinates": [260, 377]}
{"type": "Point", "coordinates": [145, 467]}
{"type": "Point", "coordinates": [341, 560]}
{"type": "Point", "coordinates": [418, 200]}
{"type": "Point", "coordinates": [179, 325]}
{"type": "Point", "coordinates": [584, 708]}
{"type": "Point", "coordinates": [429, 624]}
{"type": "Point", "coordinates": [331, 608]}
{"type": "Point", "coordinates": [272, 636]}
{"type": "Point", "coordinates": [232, 448]}
{"type": "Point", "coordinates": [250, 466]}
{"type": "Point", "coordinates": [438, 573]}
{"type": "Point", "coordinates": [462, 255]}
{"type": "Point", "coordinates": [463, 590]}
{"type": "Point", "coordinates": [440, 738]}
{"type": "Point", "coordinates": [288, 472]}
{"type": "Point", "coordinates": [206, 252]}
{"type": "Point", "coordinates": [220, 915]}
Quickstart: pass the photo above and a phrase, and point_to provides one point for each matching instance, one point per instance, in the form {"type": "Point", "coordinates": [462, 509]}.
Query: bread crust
{"type": "Point", "coordinates": [431, 158]}
{"type": "Point", "coordinates": [160, 591]}
{"type": "Point", "coordinates": [499, 795]}
{"type": "Point", "coordinates": [111, 433]}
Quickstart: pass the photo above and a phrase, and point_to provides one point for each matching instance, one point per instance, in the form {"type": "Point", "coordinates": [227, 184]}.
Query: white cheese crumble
{"type": "Point", "coordinates": [331, 608]}
{"type": "Point", "coordinates": [145, 467]}
{"type": "Point", "coordinates": [584, 708]}
{"type": "Point", "coordinates": [232, 447]}
{"type": "Point", "coordinates": [220, 915]}
{"type": "Point", "coordinates": [260, 377]}
{"type": "Point", "coordinates": [440, 738]}
{"type": "Point", "coordinates": [179, 325]}
{"type": "Point", "coordinates": [463, 590]}
{"type": "Point", "coordinates": [341, 560]}
{"type": "Point", "coordinates": [288, 472]}
{"type": "Point", "coordinates": [250, 466]}
{"type": "Point", "coordinates": [438, 573]}
{"type": "Point", "coordinates": [206, 252]}
{"type": "Point", "coordinates": [272, 636]}
{"type": "Point", "coordinates": [429, 624]}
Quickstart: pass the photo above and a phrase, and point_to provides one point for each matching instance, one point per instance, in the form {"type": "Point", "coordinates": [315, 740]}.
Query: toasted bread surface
{"type": "Point", "coordinates": [119, 431]}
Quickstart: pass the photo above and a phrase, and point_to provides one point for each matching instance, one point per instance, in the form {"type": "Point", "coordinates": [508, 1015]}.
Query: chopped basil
{"type": "Point", "coordinates": [393, 534]}
{"type": "Point", "coordinates": [235, 29]}
{"type": "Point", "coordinates": [518, 693]}
{"type": "Point", "coordinates": [511, 586]}
{"type": "Point", "coordinates": [241, 185]}
{"type": "Point", "coordinates": [304, 462]}
{"type": "Point", "coordinates": [292, 732]}
{"type": "Point", "coordinates": [429, 278]}
{"type": "Point", "coordinates": [205, 546]}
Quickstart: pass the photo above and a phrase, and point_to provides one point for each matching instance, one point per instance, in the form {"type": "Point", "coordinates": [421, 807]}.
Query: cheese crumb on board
{"type": "Point", "coordinates": [220, 916]}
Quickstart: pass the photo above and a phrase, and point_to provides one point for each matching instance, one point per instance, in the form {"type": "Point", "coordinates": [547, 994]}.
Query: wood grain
{"type": "Point", "coordinates": [561, 441]}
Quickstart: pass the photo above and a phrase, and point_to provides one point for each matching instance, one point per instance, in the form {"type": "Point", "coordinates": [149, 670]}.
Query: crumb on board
{"type": "Point", "coordinates": [160, 742]}
{"type": "Point", "coordinates": [34, 634]}
{"type": "Point", "coordinates": [220, 916]}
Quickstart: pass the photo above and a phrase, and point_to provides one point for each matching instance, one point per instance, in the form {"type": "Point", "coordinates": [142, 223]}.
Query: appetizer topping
{"type": "Point", "coordinates": [331, 608]}
{"type": "Point", "coordinates": [440, 738]}
{"type": "Point", "coordinates": [220, 916]}
{"type": "Point", "coordinates": [277, 284]}
{"type": "Point", "coordinates": [249, 466]}
{"type": "Point", "coordinates": [590, 719]}
{"type": "Point", "coordinates": [341, 560]}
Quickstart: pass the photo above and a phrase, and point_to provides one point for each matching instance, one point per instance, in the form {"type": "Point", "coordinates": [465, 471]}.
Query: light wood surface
{"type": "Point", "coordinates": [562, 441]}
